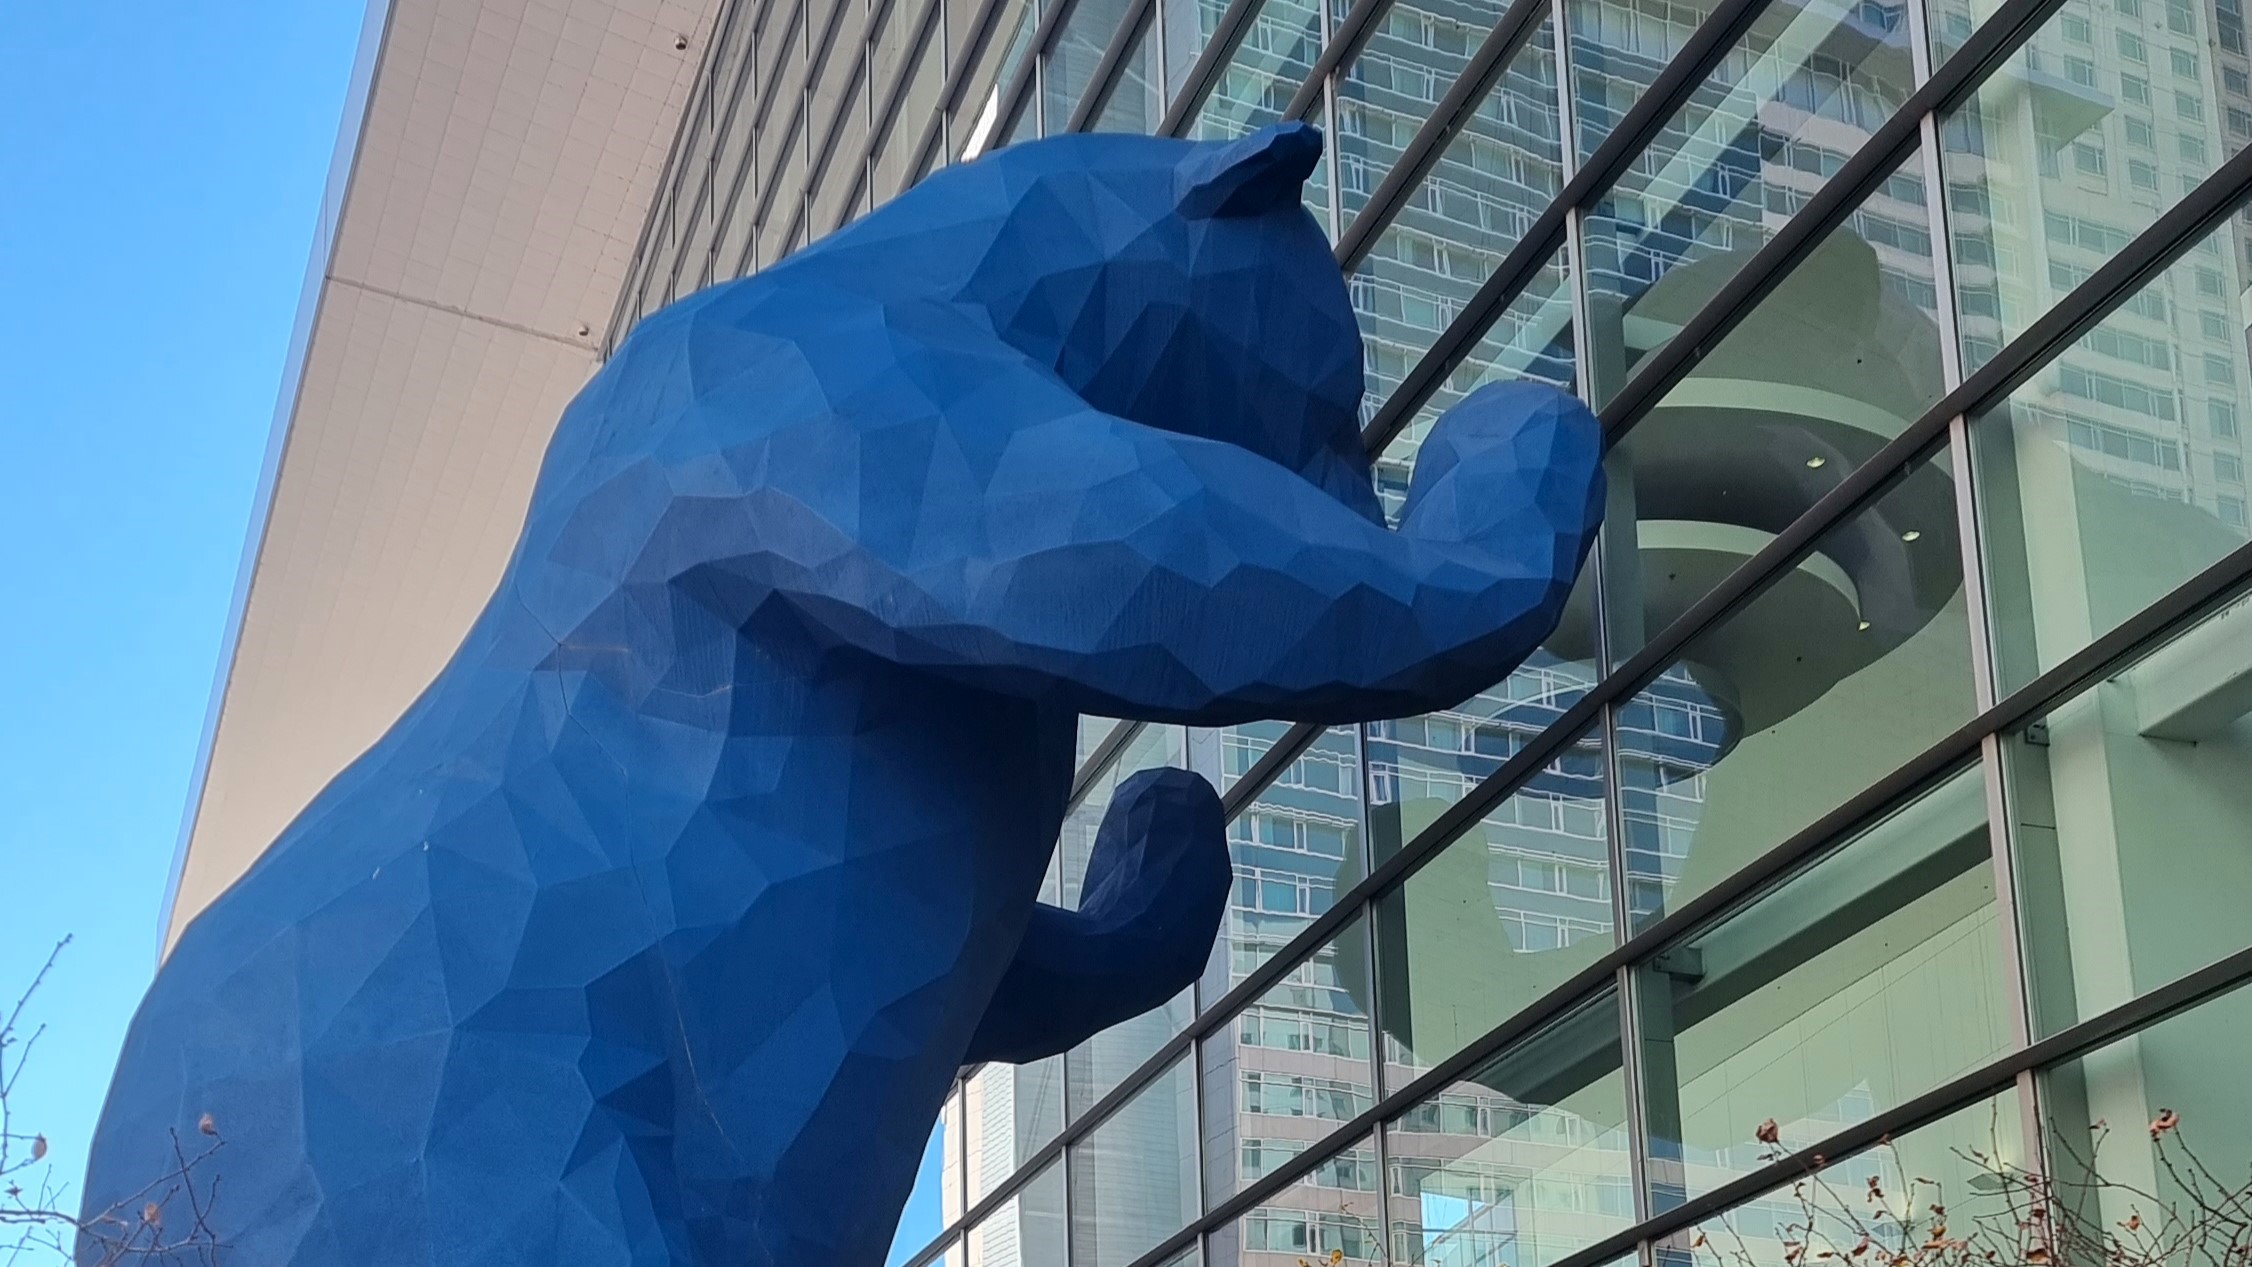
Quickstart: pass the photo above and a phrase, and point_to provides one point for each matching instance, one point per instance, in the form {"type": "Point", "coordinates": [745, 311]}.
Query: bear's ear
{"type": "Point", "coordinates": [1255, 174]}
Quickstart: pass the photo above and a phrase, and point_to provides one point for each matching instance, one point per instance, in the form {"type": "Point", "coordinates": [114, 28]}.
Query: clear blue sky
{"type": "Point", "coordinates": [161, 168]}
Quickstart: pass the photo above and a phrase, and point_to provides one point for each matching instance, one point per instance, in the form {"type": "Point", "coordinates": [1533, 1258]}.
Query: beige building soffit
{"type": "Point", "coordinates": [491, 183]}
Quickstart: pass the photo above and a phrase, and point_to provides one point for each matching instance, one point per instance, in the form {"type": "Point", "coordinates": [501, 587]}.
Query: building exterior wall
{"type": "Point", "coordinates": [1888, 777]}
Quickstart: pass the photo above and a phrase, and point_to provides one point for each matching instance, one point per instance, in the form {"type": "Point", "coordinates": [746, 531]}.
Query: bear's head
{"type": "Point", "coordinates": [1181, 284]}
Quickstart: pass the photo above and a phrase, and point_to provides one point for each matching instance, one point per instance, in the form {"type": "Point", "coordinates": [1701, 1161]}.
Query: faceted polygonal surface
{"type": "Point", "coordinates": [656, 930]}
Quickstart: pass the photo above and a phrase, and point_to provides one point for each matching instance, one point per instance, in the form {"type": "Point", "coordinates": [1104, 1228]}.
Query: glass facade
{"type": "Point", "coordinates": [1883, 793]}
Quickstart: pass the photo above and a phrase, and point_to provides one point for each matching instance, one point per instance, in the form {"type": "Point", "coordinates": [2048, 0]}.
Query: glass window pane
{"type": "Point", "coordinates": [1830, 366]}
{"type": "Point", "coordinates": [845, 176]}
{"type": "Point", "coordinates": [1330, 1215]}
{"type": "Point", "coordinates": [1009, 1112]}
{"type": "Point", "coordinates": [2116, 472]}
{"type": "Point", "coordinates": [1854, 661]}
{"type": "Point", "coordinates": [1503, 165]}
{"type": "Point", "coordinates": [1443, 243]}
{"type": "Point", "coordinates": [1276, 56]}
{"type": "Point", "coordinates": [1133, 1178]}
{"type": "Point", "coordinates": [839, 60]}
{"type": "Point", "coordinates": [731, 67]}
{"type": "Point", "coordinates": [918, 100]}
{"type": "Point", "coordinates": [1418, 767]}
{"type": "Point", "coordinates": [1901, 1194]}
{"type": "Point", "coordinates": [2130, 804]}
{"type": "Point", "coordinates": [1862, 981]}
{"type": "Point", "coordinates": [1102, 1062]}
{"type": "Point", "coordinates": [731, 159]}
{"type": "Point", "coordinates": [1092, 732]}
{"type": "Point", "coordinates": [1188, 26]}
{"type": "Point", "coordinates": [1290, 1067]}
{"type": "Point", "coordinates": [977, 111]}
{"type": "Point", "coordinates": [2155, 1125]}
{"type": "Point", "coordinates": [1498, 918]}
{"type": "Point", "coordinates": [786, 199]}
{"type": "Point", "coordinates": [731, 257]}
{"type": "Point", "coordinates": [1289, 846]}
{"type": "Point", "coordinates": [1529, 338]}
{"type": "Point", "coordinates": [1784, 110]}
{"type": "Point", "coordinates": [781, 65]}
{"type": "Point", "coordinates": [1617, 48]}
{"type": "Point", "coordinates": [1134, 103]}
{"type": "Point", "coordinates": [1078, 49]}
{"type": "Point", "coordinates": [2064, 154]}
{"type": "Point", "coordinates": [1027, 1229]}
{"type": "Point", "coordinates": [1523, 1161]}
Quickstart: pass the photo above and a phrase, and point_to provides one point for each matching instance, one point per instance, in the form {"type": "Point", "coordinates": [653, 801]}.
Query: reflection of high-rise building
{"type": "Point", "coordinates": [1896, 725]}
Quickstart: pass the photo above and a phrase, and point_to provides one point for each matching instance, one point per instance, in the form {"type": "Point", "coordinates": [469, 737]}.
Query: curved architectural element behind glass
{"type": "Point", "coordinates": [657, 928]}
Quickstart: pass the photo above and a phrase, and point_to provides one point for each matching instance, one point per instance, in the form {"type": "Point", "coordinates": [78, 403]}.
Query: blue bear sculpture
{"type": "Point", "coordinates": [656, 929]}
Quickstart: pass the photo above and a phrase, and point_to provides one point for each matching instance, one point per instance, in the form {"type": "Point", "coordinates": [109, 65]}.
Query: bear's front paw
{"type": "Point", "coordinates": [1508, 461]}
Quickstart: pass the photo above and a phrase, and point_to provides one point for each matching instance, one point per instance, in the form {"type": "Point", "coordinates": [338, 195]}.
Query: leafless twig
{"type": "Point", "coordinates": [36, 1223]}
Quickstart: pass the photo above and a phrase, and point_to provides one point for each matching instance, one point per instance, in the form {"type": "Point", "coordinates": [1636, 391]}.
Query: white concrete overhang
{"type": "Point", "coordinates": [496, 164]}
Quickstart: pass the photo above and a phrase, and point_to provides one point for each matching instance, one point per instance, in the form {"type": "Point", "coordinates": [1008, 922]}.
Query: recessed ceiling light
{"type": "Point", "coordinates": [1816, 464]}
{"type": "Point", "coordinates": [1863, 626]}
{"type": "Point", "coordinates": [1910, 535]}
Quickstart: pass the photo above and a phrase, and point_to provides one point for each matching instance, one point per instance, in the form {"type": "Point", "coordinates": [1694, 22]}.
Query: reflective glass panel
{"type": "Point", "coordinates": [1941, 1182]}
{"type": "Point", "coordinates": [1133, 1178]}
{"type": "Point", "coordinates": [1028, 1229]}
{"type": "Point", "coordinates": [1328, 1216]}
{"type": "Point", "coordinates": [1504, 914]}
{"type": "Point", "coordinates": [2150, 1140]}
{"type": "Point", "coordinates": [1188, 26]}
{"type": "Point", "coordinates": [1134, 103]}
{"type": "Point", "coordinates": [1102, 1062]}
{"type": "Point", "coordinates": [976, 117]}
{"type": "Point", "coordinates": [1418, 767]}
{"type": "Point", "coordinates": [1454, 227]}
{"type": "Point", "coordinates": [1078, 49]}
{"type": "Point", "coordinates": [2117, 471]}
{"type": "Point", "coordinates": [2130, 803]}
{"type": "Point", "coordinates": [1009, 1112]}
{"type": "Point", "coordinates": [1524, 1160]}
{"type": "Point", "coordinates": [918, 98]}
{"type": "Point", "coordinates": [785, 199]}
{"type": "Point", "coordinates": [1092, 732]}
{"type": "Point", "coordinates": [731, 257]}
{"type": "Point", "coordinates": [2104, 118]}
{"type": "Point", "coordinates": [1854, 661]}
{"type": "Point", "coordinates": [1530, 338]}
{"type": "Point", "coordinates": [732, 168]}
{"type": "Point", "coordinates": [1782, 112]}
{"type": "Point", "coordinates": [1290, 846]}
{"type": "Point", "coordinates": [841, 189]}
{"type": "Point", "coordinates": [1291, 1066]}
{"type": "Point", "coordinates": [1830, 366]}
{"type": "Point", "coordinates": [1617, 48]}
{"type": "Point", "coordinates": [1860, 982]}
{"type": "Point", "coordinates": [1503, 164]}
